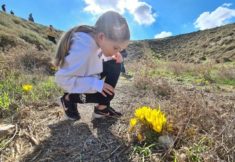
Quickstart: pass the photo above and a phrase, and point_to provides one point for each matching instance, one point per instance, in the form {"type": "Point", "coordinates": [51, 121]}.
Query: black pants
{"type": "Point", "coordinates": [111, 72]}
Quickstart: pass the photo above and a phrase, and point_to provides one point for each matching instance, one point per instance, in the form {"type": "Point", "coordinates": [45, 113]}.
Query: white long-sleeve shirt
{"type": "Point", "coordinates": [82, 66]}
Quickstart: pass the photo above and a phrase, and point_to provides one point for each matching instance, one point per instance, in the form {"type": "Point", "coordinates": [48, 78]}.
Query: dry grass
{"type": "Point", "coordinates": [227, 73]}
{"type": "Point", "coordinates": [16, 31]}
{"type": "Point", "coordinates": [205, 121]}
{"type": "Point", "coordinates": [198, 47]}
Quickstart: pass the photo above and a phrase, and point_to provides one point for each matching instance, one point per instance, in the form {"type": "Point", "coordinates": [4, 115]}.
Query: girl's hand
{"type": "Point", "coordinates": [118, 57]}
{"type": "Point", "coordinates": [107, 89]}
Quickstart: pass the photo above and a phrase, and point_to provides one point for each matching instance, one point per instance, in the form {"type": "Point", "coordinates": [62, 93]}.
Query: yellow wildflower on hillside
{"type": "Point", "coordinates": [133, 122]}
{"type": "Point", "coordinates": [27, 87]}
{"type": "Point", "coordinates": [54, 68]}
{"type": "Point", "coordinates": [145, 119]}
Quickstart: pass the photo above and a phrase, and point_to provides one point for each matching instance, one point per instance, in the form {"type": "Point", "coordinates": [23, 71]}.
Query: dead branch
{"type": "Point", "coordinates": [11, 139]}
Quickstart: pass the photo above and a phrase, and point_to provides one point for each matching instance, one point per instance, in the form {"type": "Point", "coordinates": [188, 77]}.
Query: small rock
{"type": "Point", "coordinates": [182, 157]}
{"type": "Point", "coordinates": [166, 141]}
{"type": "Point", "coordinates": [6, 129]}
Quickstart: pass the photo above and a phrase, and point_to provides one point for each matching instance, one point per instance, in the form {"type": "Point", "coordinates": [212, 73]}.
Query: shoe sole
{"type": "Point", "coordinates": [97, 116]}
{"type": "Point", "coordinates": [65, 117]}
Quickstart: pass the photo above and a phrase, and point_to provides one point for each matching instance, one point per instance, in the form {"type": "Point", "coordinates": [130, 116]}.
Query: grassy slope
{"type": "Point", "coordinates": [214, 44]}
{"type": "Point", "coordinates": [17, 31]}
{"type": "Point", "coordinates": [25, 55]}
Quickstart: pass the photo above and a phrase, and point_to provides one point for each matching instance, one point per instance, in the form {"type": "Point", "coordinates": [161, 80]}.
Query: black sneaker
{"type": "Point", "coordinates": [107, 112]}
{"type": "Point", "coordinates": [70, 109]}
{"type": "Point", "coordinates": [114, 112]}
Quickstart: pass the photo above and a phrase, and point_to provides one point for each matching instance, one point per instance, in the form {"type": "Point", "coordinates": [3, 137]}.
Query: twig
{"type": "Point", "coordinates": [11, 139]}
{"type": "Point", "coordinates": [103, 143]}
{"type": "Point", "coordinates": [227, 126]}
{"type": "Point", "coordinates": [32, 138]}
{"type": "Point", "coordinates": [103, 151]}
{"type": "Point", "coordinates": [221, 144]}
{"type": "Point", "coordinates": [227, 152]}
{"type": "Point", "coordinates": [35, 157]}
{"type": "Point", "coordinates": [124, 149]}
{"type": "Point", "coordinates": [46, 159]}
{"type": "Point", "coordinates": [113, 152]}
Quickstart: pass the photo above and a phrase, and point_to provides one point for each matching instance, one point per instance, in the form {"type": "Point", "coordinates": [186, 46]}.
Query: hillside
{"type": "Point", "coordinates": [190, 78]}
{"type": "Point", "coordinates": [15, 31]}
{"type": "Point", "coordinates": [23, 40]}
{"type": "Point", "coordinates": [216, 44]}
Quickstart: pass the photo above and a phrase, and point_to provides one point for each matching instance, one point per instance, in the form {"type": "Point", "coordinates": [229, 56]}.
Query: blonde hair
{"type": "Point", "coordinates": [112, 24]}
{"type": "Point", "coordinates": [65, 42]}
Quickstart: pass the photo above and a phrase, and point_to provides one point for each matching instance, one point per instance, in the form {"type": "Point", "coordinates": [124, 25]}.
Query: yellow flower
{"type": "Point", "coordinates": [169, 127]}
{"type": "Point", "coordinates": [149, 117]}
{"type": "Point", "coordinates": [157, 127]}
{"type": "Point", "coordinates": [140, 137]}
{"type": "Point", "coordinates": [142, 113]}
{"type": "Point", "coordinates": [139, 114]}
{"type": "Point", "coordinates": [27, 87]}
{"type": "Point", "coordinates": [147, 113]}
{"type": "Point", "coordinates": [158, 120]}
{"type": "Point", "coordinates": [54, 68]}
{"type": "Point", "coordinates": [133, 123]}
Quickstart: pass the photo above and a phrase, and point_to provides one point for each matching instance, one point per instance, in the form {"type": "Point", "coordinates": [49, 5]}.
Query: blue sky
{"type": "Point", "coordinates": [147, 19]}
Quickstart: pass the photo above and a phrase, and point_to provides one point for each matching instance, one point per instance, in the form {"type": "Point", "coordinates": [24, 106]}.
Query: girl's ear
{"type": "Point", "coordinates": [101, 36]}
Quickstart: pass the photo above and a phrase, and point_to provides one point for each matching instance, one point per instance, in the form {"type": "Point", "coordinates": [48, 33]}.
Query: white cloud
{"type": "Point", "coordinates": [141, 11]}
{"type": "Point", "coordinates": [143, 14]}
{"type": "Point", "coordinates": [163, 34]}
{"type": "Point", "coordinates": [97, 7]}
{"type": "Point", "coordinates": [227, 4]}
{"type": "Point", "coordinates": [220, 16]}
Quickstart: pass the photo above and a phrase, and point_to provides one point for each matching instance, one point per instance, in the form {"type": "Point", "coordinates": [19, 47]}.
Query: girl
{"type": "Point", "coordinates": [89, 62]}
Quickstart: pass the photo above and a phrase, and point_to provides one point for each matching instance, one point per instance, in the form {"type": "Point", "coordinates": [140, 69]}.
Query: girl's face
{"type": "Point", "coordinates": [109, 47]}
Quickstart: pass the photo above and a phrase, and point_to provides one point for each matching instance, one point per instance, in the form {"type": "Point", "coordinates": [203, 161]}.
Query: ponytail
{"type": "Point", "coordinates": [65, 43]}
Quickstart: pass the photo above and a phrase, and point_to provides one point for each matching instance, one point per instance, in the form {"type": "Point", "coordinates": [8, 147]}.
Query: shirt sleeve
{"type": "Point", "coordinates": [75, 68]}
{"type": "Point", "coordinates": [87, 85]}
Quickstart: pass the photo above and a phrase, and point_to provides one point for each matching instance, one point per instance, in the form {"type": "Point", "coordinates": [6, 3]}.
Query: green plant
{"type": "Point", "coordinates": [144, 150]}
{"type": "Point", "coordinates": [42, 91]}
{"type": "Point", "coordinates": [3, 143]}
{"type": "Point", "coordinates": [4, 101]}
{"type": "Point", "coordinates": [195, 152]}
{"type": "Point", "coordinates": [148, 125]}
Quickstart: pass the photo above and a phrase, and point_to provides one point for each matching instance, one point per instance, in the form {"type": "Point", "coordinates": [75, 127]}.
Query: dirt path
{"type": "Point", "coordinates": [84, 140]}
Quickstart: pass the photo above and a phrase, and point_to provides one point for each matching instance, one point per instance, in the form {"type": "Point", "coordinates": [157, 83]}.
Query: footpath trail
{"type": "Point", "coordinates": [85, 140]}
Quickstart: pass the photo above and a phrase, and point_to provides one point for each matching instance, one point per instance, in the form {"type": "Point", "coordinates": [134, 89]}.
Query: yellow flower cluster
{"type": "Point", "coordinates": [27, 87]}
{"type": "Point", "coordinates": [54, 68]}
{"type": "Point", "coordinates": [203, 81]}
{"type": "Point", "coordinates": [147, 116]}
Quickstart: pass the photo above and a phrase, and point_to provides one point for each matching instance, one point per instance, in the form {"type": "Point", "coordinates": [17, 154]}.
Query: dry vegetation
{"type": "Point", "coordinates": [215, 45]}
{"type": "Point", "coordinates": [198, 98]}
{"type": "Point", "coordinates": [202, 111]}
